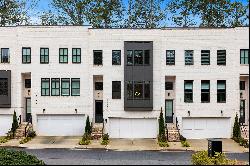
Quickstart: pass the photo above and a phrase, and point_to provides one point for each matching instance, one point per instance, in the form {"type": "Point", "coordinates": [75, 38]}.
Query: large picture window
{"type": "Point", "coordinates": [75, 87]}
{"type": "Point", "coordinates": [45, 87]}
{"type": "Point", "coordinates": [65, 87]}
{"type": "Point", "coordinates": [221, 91]}
{"type": "Point", "coordinates": [188, 91]}
{"type": "Point", "coordinates": [5, 55]}
{"type": "Point", "coordinates": [205, 91]}
{"type": "Point", "coordinates": [3, 86]}
{"type": "Point", "coordinates": [116, 89]}
{"type": "Point", "coordinates": [44, 55]}
{"type": "Point", "coordinates": [138, 90]}
{"type": "Point", "coordinates": [26, 55]}
{"type": "Point", "coordinates": [55, 86]}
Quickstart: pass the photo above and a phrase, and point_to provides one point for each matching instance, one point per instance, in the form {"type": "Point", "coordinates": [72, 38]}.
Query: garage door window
{"type": "Point", "coordinates": [205, 91]}
{"type": "Point", "coordinates": [221, 91]}
{"type": "Point", "coordinates": [75, 87]}
{"type": "Point", "coordinates": [188, 91]}
{"type": "Point", "coordinates": [55, 86]}
{"type": "Point", "coordinates": [45, 86]}
{"type": "Point", "coordinates": [65, 86]}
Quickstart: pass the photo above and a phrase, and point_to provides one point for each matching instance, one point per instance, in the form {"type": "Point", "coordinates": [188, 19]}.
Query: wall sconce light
{"type": "Point", "coordinates": [28, 92]}
{"type": "Point", "coordinates": [188, 113]}
{"type": "Point", "coordinates": [221, 113]}
{"type": "Point", "coordinates": [76, 111]}
{"type": "Point", "coordinates": [43, 110]}
{"type": "Point", "coordinates": [106, 120]}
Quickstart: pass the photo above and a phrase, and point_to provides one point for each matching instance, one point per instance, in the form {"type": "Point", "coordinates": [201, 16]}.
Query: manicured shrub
{"type": "Point", "coordinates": [88, 126]}
{"type": "Point", "coordinates": [236, 129]}
{"type": "Point", "coordinates": [162, 138]}
{"type": "Point", "coordinates": [185, 144]}
{"type": "Point", "coordinates": [163, 144]}
{"type": "Point", "coordinates": [14, 124]}
{"type": "Point", "coordinates": [25, 140]}
{"type": "Point", "coordinates": [3, 140]}
{"type": "Point", "coordinates": [11, 157]}
{"type": "Point", "coordinates": [85, 139]}
{"type": "Point", "coordinates": [161, 124]}
{"type": "Point", "coordinates": [105, 139]}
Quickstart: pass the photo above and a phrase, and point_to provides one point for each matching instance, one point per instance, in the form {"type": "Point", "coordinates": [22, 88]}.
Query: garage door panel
{"type": "Point", "coordinates": [5, 124]}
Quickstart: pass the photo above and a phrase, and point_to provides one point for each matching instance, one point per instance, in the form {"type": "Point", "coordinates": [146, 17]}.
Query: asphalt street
{"type": "Point", "coordinates": [103, 157]}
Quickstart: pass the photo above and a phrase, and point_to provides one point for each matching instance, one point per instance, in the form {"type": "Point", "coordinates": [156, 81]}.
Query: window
{"type": "Point", "coordinates": [205, 57]}
{"type": "Point", "coordinates": [138, 90]}
{"type": "Point", "coordinates": [55, 86]}
{"type": "Point", "coordinates": [138, 57]}
{"type": "Point", "coordinates": [188, 91]}
{"type": "Point", "coordinates": [242, 85]}
{"type": "Point", "coordinates": [76, 55]}
{"type": "Point", "coordinates": [130, 90]}
{"type": "Point", "coordinates": [189, 59]}
{"type": "Point", "coordinates": [147, 90]}
{"type": "Point", "coordinates": [75, 87]}
{"type": "Point", "coordinates": [63, 55]}
{"type": "Point", "coordinates": [169, 86]}
{"type": "Point", "coordinates": [45, 86]}
{"type": "Point", "coordinates": [98, 85]}
{"type": "Point", "coordinates": [26, 55]}
{"type": "Point", "coordinates": [44, 55]}
{"type": "Point", "coordinates": [65, 87]}
{"type": "Point", "coordinates": [221, 91]}
{"type": "Point", "coordinates": [170, 57]}
{"type": "Point", "coordinates": [116, 89]}
{"type": "Point", "coordinates": [205, 91]}
{"type": "Point", "coordinates": [130, 58]}
{"type": "Point", "coordinates": [146, 57]}
{"type": "Point", "coordinates": [221, 57]}
{"type": "Point", "coordinates": [27, 83]}
{"type": "Point", "coordinates": [244, 56]}
{"type": "Point", "coordinates": [116, 57]}
{"type": "Point", "coordinates": [97, 57]}
{"type": "Point", "coordinates": [5, 55]}
{"type": "Point", "coordinates": [3, 86]}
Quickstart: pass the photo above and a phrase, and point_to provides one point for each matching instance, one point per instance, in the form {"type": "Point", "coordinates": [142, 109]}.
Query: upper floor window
{"type": "Point", "coordinates": [26, 55]}
{"type": "Point", "coordinates": [5, 55]}
{"type": "Point", "coordinates": [205, 91]}
{"type": "Point", "coordinates": [98, 85]}
{"type": "Point", "coordinates": [205, 57]}
{"type": "Point", "coordinates": [65, 87]}
{"type": "Point", "coordinates": [27, 83]}
{"type": "Point", "coordinates": [55, 86]}
{"type": "Point", "coordinates": [169, 86]}
{"type": "Point", "coordinates": [244, 56]}
{"type": "Point", "coordinates": [138, 90]}
{"type": "Point", "coordinates": [3, 86]}
{"type": "Point", "coordinates": [138, 57]}
{"type": "Point", "coordinates": [170, 57]}
{"type": "Point", "coordinates": [188, 91]}
{"type": "Point", "coordinates": [221, 91]}
{"type": "Point", "coordinates": [189, 57]}
{"type": "Point", "coordinates": [116, 57]}
{"type": "Point", "coordinates": [44, 55]}
{"type": "Point", "coordinates": [76, 55]}
{"type": "Point", "coordinates": [242, 85]}
{"type": "Point", "coordinates": [221, 57]}
{"type": "Point", "coordinates": [75, 87]}
{"type": "Point", "coordinates": [116, 89]}
{"type": "Point", "coordinates": [45, 86]}
{"type": "Point", "coordinates": [63, 55]}
{"type": "Point", "coordinates": [97, 57]}
{"type": "Point", "coordinates": [130, 61]}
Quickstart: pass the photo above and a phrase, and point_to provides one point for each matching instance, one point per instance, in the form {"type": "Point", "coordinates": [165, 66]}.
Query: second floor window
{"type": "Point", "coordinates": [189, 57]}
{"type": "Point", "coordinates": [138, 90]}
{"type": "Point", "coordinates": [75, 87]}
{"type": "Point", "coordinates": [242, 85]}
{"type": "Point", "coordinates": [44, 55]}
{"type": "Point", "coordinates": [205, 91]}
{"type": "Point", "coordinates": [45, 87]}
{"type": "Point", "coordinates": [76, 55]}
{"type": "Point", "coordinates": [221, 91]}
{"type": "Point", "coordinates": [5, 55]}
{"type": "Point", "coordinates": [26, 55]}
{"type": "Point", "coordinates": [170, 57]}
{"type": "Point", "coordinates": [221, 57]}
{"type": "Point", "coordinates": [27, 83]}
{"type": "Point", "coordinates": [55, 86]}
{"type": "Point", "coordinates": [244, 56]}
{"type": "Point", "coordinates": [98, 85]}
{"type": "Point", "coordinates": [97, 57]}
{"type": "Point", "coordinates": [188, 91]}
{"type": "Point", "coordinates": [116, 89]}
{"type": "Point", "coordinates": [63, 55]}
{"type": "Point", "coordinates": [169, 86]}
{"type": "Point", "coordinates": [3, 86]}
{"type": "Point", "coordinates": [116, 57]}
{"type": "Point", "coordinates": [205, 57]}
{"type": "Point", "coordinates": [65, 87]}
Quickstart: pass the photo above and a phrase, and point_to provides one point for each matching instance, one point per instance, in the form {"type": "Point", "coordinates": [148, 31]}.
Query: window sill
{"type": "Point", "coordinates": [97, 65]}
{"type": "Point", "coordinates": [244, 64]}
{"type": "Point", "coordinates": [222, 102]}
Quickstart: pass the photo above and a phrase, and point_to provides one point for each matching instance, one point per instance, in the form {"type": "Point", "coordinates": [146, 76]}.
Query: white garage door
{"type": "Point", "coordinates": [5, 124]}
{"type": "Point", "coordinates": [199, 128]}
{"type": "Point", "coordinates": [132, 128]}
{"type": "Point", "coordinates": [60, 125]}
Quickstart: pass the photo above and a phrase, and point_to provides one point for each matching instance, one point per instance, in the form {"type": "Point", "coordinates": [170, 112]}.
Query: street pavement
{"type": "Point", "coordinates": [110, 157]}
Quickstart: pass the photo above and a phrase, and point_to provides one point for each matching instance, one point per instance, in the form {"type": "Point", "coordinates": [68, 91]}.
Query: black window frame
{"type": "Point", "coordinates": [205, 92]}
{"type": "Point", "coordinates": [65, 80]}
{"type": "Point", "coordinates": [169, 84]}
{"type": "Point", "coordinates": [220, 92]}
{"type": "Point", "coordinates": [64, 55]}
{"type": "Point", "coordinates": [98, 58]}
{"type": "Point", "coordinates": [170, 60]}
{"type": "Point", "coordinates": [55, 80]}
{"type": "Point", "coordinates": [77, 56]}
{"type": "Point", "coordinates": [75, 80]}
{"type": "Point", "coordinates": [27, 83]}
{"type": "Point", "coordinates": [219, 58]}
{"type": "Point", "coordinates": [139, 61]}
{"type": "Point", "coordinates": [44, 55]}
{"type": "Point", "coordinates": [25, 56]}
{"type": "Point", "coordinates": [244, 57]}
{"type": "Point", "coordinates": [130, 58]}
{"type": "Point", "coordinates": [98, 85]}
{"type": "Point", "coordinates": [116, 89]}
{"type": "Point", "coordinates": [242, 85]}
{"type": "Point", "coordinates": [4, 87]}
{"type": "Point", "coordinates": [191, 63]}
{"type": "Point", "coordinates": [114, 62]}
{"type": "Point", "coordinates": [186, 93]}
{"type": "Point", "coordinates": [46, 89]}
{"type": "Point", "coordinates": [146, 61]}
{"type": "Point", "coordinates": [3, 58]}
{"type": "Point", "coordinates": [204, 58]}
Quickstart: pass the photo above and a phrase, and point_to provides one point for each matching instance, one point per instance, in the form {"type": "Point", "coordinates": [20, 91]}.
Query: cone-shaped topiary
{"type": "Point", "coordinates": [88, 126]}
{"type": "Point", "coordinates": [14, 124]}
{"type": "Point", "coordinates": [161, 124]}
{"type": "Point", "coordinates": [236, 128]}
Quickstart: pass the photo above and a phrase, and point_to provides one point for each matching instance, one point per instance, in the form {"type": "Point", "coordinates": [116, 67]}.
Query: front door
{"type": "Point", "coordinates": [98, 111]}
{"type": "Point", "coordinates": [28, 110]}
{"type": "Point", "coordinates": [242, 111]}
{"type": "Point", "coordinates": [169, 111]}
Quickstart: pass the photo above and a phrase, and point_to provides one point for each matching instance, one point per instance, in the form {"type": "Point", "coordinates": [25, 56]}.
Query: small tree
{"type": "Point", "coordinates": [88, 126]}
{"type": "Point", "coordinates": [14, 124]}
{"type": "Point", "coordinates": [161, 137]}
{"type": "Point", "coordinates": [236, 128]}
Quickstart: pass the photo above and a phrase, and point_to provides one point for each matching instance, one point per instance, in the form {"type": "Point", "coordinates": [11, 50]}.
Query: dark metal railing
{"type": "Point", "coordinates": [177, 126]}
{"type": "Point", "coordinates": [166, 126]}
{"type": "Point", "coordinates": [20, 119]}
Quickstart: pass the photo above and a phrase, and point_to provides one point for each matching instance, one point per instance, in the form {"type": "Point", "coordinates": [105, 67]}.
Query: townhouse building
{"type": "Point", "coordinates": [56, 76]}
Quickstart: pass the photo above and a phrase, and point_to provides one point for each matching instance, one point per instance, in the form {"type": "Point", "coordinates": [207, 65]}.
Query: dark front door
{"type": "Point", "coordinates": [169, 111]}
{"type": "Point", "coordinates": [242, 111]}
{"type": "Point", "coordinates": [98, 111]}
{"type": "Point", "coordinates": [28, 110]}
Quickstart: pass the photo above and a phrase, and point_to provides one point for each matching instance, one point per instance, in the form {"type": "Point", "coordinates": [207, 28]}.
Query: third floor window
{"type": "Point", "coordinates": [76, 55]}
{"type": "Point", "coordinates": [97, 57]}
{"type": "Point", "coordinates": [5, 55]}
{"type": "Point", "coordinates": [244, 56]}
{"type": "Point", "coordinates": [189, 57]}
{"type": "Point", "coordinates": [63, 55]}
{"type": "Point", "coordinates": [221, 57]}
{"type": "Point", "coordinates": [26, 55]}
{"type": "Point", "coordinates": [170, 57]}
{"type": "Point", "coordinates": [205, 57]}
{"type": "Point", "coordinates": [44, 55]}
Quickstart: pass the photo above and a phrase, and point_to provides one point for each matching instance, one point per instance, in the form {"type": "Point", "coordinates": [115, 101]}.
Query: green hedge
{"type": "Point", "coordinates": [12, 157]}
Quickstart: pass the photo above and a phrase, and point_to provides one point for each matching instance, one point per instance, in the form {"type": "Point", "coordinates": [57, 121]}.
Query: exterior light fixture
{"type": "Point", "coordinates": [76, 111]}
{"type": "Point", "coordinates": [188, 113]}
{"type": "Point", "coordinates": [221, 113]}
{"type": "Point", "coordinates": [43, 110]}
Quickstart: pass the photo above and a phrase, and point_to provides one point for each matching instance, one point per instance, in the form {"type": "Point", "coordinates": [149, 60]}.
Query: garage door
{"type": "Point", "coordinates": [5, 124]}
{"type": "Point", "coordinates": [60, 125]}
{"type": "Point", "coordinates": [199, 128]}
{"type": "Point", "coordinates": [132, 128]}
